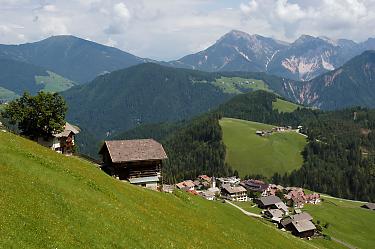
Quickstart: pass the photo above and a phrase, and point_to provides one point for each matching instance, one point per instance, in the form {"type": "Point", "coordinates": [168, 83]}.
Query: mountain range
{"type": "Point", "coordinates": [74, 58]}
{"type": "Point", "coordinates": [352, 84]}
{"type": "Point", "coordinates": [303, 59]}
{"type": "Point", "coordinates": [81, 60]}
{"type": "Point", "coordinates": [305, 70]}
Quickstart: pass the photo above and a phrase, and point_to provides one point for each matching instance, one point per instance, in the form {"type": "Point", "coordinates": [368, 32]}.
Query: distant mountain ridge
{"type": "Point", "coordinates": [353, 84]}
{"type": "Point", "coordinates": [304, 59]}
{"type": "Point", "coordinates": [77, 59]}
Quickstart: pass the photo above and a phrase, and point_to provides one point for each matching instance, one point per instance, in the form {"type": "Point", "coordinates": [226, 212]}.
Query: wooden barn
{"type": "Point", "coordinates": [137, 161]}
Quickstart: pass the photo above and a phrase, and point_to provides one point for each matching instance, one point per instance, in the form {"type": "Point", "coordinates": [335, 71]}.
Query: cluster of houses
{"type": "Point", "coordinates": [275, 200]}
{"type": "Point", "coordinates": [263, 133]}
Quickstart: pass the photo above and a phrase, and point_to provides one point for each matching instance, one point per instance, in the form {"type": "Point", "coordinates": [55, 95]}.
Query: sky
{"type": "Point", "coordinates": [170, 29]}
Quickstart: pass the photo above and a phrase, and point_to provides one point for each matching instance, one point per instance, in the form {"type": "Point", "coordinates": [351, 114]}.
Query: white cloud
{"type": "Point", "coordinates": [49, 8]}
{"type": "Point", "coordinates": [249, 7]}
{"type": "Point", "coordinates": [169, 29]}
{"type": "Point", "coordinates": [121, 11]}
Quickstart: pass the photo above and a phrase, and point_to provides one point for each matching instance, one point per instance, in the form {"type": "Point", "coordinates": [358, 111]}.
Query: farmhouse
{"type": "Point", "coordinates": [137, 161]}
{"type": "Point", "coordinates": [369, 205]}
{"type": "Point", "coordinates": [62, 142]}
{"type": "Point", "coordinates": [234, 193]}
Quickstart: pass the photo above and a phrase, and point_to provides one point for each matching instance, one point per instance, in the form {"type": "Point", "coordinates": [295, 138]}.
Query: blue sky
{"type": "Point", "coordinates": [169, 29]}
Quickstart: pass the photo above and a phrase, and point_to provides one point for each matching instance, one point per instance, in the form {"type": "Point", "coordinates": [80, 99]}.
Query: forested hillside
{"type": "Point", "coordinates": [339, 158]}
{"type": "Point", "coordinates": [149, 94]}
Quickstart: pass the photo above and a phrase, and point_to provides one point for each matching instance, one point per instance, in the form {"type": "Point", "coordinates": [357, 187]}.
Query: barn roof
{"type": "Point", "coordinates": [303, 225]}
{"type": "Point", "coordinates": [270, 200]}
{"type": "Point", "coordinates": [134, 150]}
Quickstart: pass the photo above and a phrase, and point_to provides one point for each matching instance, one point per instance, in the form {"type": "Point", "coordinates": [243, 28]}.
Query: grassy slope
{"type": "Point", "coordinates": [54, 82]}
{"type": "Point", "coordinates": [252, 154]}
{"type": "Point", "coordinates": [284, 106]}
{"type": "Point", "coordinates": [236, 85]}
{"type": "Point", "coordinates": [348, 222]}
{"type": "Point", "coordinates": [51, 201]}
{"type": "Point", "coordinates": [7, 94]}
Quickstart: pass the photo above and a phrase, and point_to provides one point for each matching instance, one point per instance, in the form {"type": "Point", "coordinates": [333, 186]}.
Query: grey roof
{"type": "Point", "coordinates": [144, 179]}
{"type": "Point", "coordinates": [276, 212]}
{"type": "Point", "coordinates": [270, 200]}
{"type": "Point", "coordinates": [282, 206]}
{"type": "Point", "coordinates": [369, 206]}
{"type": "Point", "coordinates": [302, 216]}
{"type": "Point", "coordinates": [68, 128]}
{"type": "Point", "coordinates": [286, 221]}
{"type": "Point", "coordinates": [233, 190]}
{"type": "Point", "coordinates": [303, 225]}
{"type": "Point", "coordinates": [296, 217]}
{"type": "Point", "coordinates": [134, 150]}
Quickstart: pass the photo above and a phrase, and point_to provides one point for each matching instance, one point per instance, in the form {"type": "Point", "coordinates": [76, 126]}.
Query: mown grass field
{"type": "Point", "coordinates": [52, 201]}
{"type": "Point", "coordinates": [284, 106]}
{"type": "Point", "coordinates": [347, 221]}
{"type": "Point", "coordinates": [54, 82]}
{"type": "Point", "coordinates": [237, 85]}
{"type": "Point", "coordinates": [249, 153]}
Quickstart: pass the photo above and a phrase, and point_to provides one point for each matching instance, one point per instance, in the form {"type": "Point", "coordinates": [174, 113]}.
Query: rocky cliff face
{"type": "Point", "coordinates": [353, 84]}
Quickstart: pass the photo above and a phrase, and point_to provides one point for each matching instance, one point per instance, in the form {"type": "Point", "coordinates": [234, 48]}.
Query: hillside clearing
{"type": "Point", "coordinates": [6, 94]}
{"type": "Point", "coordinates": [52, 201]}
{"type": "Point", "coordinates": [284, 106]}
{"type": "Point", "coordinates": [54, 82]}
{"type": "Point", "coordinates": [237, 85]}
{"type": "Point", "coordinates": [249, 153]}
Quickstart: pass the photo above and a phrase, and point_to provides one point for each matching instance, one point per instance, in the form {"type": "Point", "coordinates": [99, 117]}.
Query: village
{"type": "Point", "coordinates": [279, 205]}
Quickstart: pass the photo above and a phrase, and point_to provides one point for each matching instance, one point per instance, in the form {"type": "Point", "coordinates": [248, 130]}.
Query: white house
{"type": "Point", "coordinates": [62, 142]}
{"type": "Point", "coordinates": [233, 193]}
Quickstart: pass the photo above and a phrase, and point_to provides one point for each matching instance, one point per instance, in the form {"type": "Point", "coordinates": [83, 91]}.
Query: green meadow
{"type": "Point", "coordinates": [54, 82]}
{"type": "Point", "coordinates": [284, 106]}
{"type": "Point", "coordinates": [52, 201]}
{"type": "Point", "coordinates": [347, 221]}
{"type": "Point", "coordinates": [249, 153]}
